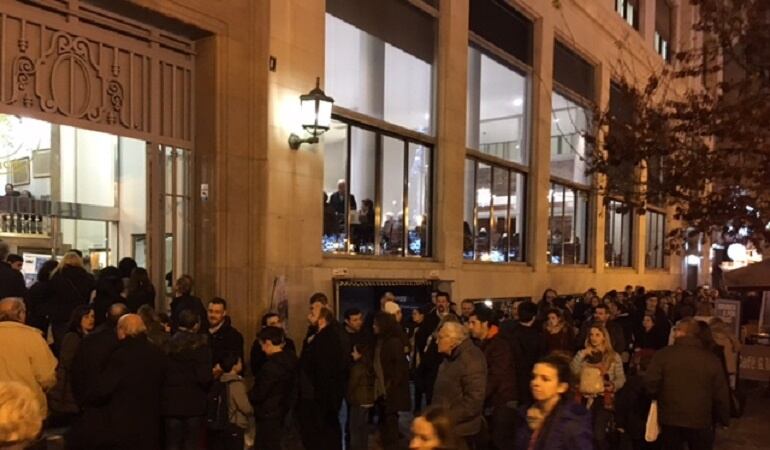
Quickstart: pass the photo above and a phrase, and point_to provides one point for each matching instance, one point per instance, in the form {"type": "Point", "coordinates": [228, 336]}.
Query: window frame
{"type": "Point", "coordinates": [587, 104]}
{"type": "Point", "coordinates": [664, 47]}
{"type": "Point", "coordinates": [660, 260]}
{"type": "Point", "coordinates": [385, 129]}
{"type": "Point", "coordinates": [512, 168]}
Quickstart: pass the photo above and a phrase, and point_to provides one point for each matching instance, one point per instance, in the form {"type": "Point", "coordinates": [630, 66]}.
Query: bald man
{"type": "Point", "coordinates": [25, 356]}
{"type": "Point", "coordinates": [129, 388]}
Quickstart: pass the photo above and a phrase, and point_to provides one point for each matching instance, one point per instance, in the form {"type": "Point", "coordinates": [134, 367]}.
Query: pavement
{"type": "Point", "coordinates": [752, 430]}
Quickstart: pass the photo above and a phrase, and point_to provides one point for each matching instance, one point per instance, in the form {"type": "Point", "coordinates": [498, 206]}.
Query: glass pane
{"type": "Point", "coordinates": [569, 124]}
{"type": "Point", "coordinates": [618, 235]}
{"type": "Point", "coordinates": [363, 151]}
{"type": "Point", "coordinates": [94, 168]}
{"type": "Point", "coordinates": [21, 140]}
{"type": "Point", "coordinates": [483, 212]}
{"type": "Point", "coordinates": [392, 232]}
{"type": "Point", "coordinates": [368, 73]}
{"type": "Point", "coordinates": [335, 166]}
{"type": "Point", "coordinates": [88, 236]}
{"type": "Point", "coordinates": [419, 219]}
{"type": "Point", "coordinates": [557, 224]}
{"type": "Point", "coordinates": [518, 223]}
{"type": "Point", "coordinates": [499, 225]}
{"type": "Point", "coordinates": [580, 243]}
{"type": "Point", "coordinates": [497, 108]}
{"type": "Point", "coordinates": [133, 198]}
{"type": "Point", "coordinates": [469, 222]}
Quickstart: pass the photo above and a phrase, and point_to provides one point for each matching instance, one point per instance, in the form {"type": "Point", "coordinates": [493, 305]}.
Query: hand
{"type": "Point", "coordinates": [217, 371]}
{"type": "Point", "coordinates": [356, 356]}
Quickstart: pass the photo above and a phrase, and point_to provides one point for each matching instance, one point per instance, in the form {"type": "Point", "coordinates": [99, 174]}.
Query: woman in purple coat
{"type": "Point", "coordinates": [554, 421]}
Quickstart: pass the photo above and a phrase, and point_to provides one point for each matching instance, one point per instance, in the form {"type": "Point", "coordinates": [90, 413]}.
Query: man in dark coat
{"type": "Point", "coordinates": [461, 383]}
{"type": "Point", "coordinates": [528, 345]}
{"type": "Point", "coordinates": [258, 356]}
{"type": "Point", "coordinates": [93, 352]}
{"type": "Point", "coordinates": [691, 388]}
{"type": "Point", "coordinates": [273, 387]}
{"type": "Point", "coordinates": [185, 388]}
{"type": "Point", "coordinates": [225, 340]}
{"type": "Point", "coordinates": [183, 299]}
{"type": "Point", "coordinates": [322, 369]}
{"type": "Point", "coordinates": [11, 281]}
{"type": "Point", "coordinates": [128, 391]}
{"type": "Point", "coordinates": [501, 375]}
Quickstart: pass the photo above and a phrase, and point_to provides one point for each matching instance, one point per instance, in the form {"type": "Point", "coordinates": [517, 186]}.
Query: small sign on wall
{"type": "Point", "coordinates": [204, 191]}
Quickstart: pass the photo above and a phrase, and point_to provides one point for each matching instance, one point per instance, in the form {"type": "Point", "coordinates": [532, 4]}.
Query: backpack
{"type": "Point", "coordinates": [217, 407]}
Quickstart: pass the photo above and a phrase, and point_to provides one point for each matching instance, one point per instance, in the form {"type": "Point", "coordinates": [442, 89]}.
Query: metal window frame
{"type": "Point", "coordinates": [610, 224]}
{"type": "Point", "coordinates": [511, 169]}
{"type": "Point", "coordinates": [407, 137]}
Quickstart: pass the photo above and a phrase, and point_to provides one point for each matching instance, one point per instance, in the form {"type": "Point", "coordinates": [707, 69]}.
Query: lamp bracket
{"type": "Point", "coordinates": [295, 141]}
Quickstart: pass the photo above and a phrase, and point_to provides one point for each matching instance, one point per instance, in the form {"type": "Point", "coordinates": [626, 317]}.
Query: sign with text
{"type": "Point", "coordinates": [764, 314]}
{"type": "Point", "coordinates": [755, 362]}
{"type": "Point", "coordinates": [730, 313]}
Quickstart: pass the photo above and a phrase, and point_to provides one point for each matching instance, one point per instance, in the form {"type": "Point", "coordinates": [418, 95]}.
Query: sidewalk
{"type": "Point", "coordinates": [752, 431]}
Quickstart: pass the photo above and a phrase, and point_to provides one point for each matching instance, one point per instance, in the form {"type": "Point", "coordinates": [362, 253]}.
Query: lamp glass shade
{"type": "Point", "coordinates": [308, 114]}
{"type": "Point", "coordinates": [324, 114]}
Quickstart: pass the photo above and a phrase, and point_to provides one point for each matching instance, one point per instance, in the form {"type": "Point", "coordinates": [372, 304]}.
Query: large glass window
{"type": "Point", "coordinates": [567, 225]}
{"type": "Point", "coordinates": [618, 234]}
{"type": "Point", "coordinates": [663, 32]}
{"type": "Point", "coordinates": [377, 193]}
{"type": "Point", "coordinates": [629, 11]}
{"type": "Point", "coordinates": [379, 60]}
{"type": "Point", "coordinates": [71, 188]}
{"type": "Point", "coordinates": [569, 124]}
{"type": "Point", "coordinates": [494, 223]}
{"type": "Point", "coordinates": [656, 240]}
{"type": "Point", "coordinates": [497, 108]}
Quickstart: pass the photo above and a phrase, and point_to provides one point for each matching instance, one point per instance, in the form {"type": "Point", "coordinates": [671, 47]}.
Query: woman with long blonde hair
{"type": "Point", "coordinates": [600, 371]}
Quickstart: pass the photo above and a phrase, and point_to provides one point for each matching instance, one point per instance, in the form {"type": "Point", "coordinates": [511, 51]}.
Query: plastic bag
{"type": "Point", "coordinates": [652, 430]}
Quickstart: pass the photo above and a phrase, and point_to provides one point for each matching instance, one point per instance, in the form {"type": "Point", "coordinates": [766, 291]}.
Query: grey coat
{"type": "Point", "coordinates": [461, 386]}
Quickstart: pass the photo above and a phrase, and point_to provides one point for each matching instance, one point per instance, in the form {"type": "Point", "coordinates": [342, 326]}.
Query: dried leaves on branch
{"type": "Point", "coordinates": [706, 150]}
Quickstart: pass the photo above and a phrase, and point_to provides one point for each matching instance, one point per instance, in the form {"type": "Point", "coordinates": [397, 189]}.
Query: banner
{"type": "Point", "coordinates": [730, 312]}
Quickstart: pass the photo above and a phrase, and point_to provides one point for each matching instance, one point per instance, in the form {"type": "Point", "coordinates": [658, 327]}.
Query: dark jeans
{"type": "Point", "coordinates": [268, 434]}
{"type": "Point", "coordinates": [183, 433]}
{"type": "Point", "coordinates": [388, 429]}
{"type": "Point", "coordinates": [674, 438]}
{"type": "Point", "coordinates": [601, 419]}
{"type": "Point", "coordinates": [358, 427]}
{"type": "Point", "coordinates": [230, 439]}
{"type": "Point", "coordinates": [501, 427]}
{"type": "Point", "coordinates": [319, 429]}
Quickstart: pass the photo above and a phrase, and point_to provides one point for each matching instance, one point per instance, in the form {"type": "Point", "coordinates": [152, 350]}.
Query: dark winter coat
{"type": "Point", "coordinates": [188, 375]}
{"type": "Point", "coordinates": [322, 370]}
{"type": "Point", "coordinates": [11, 282]}
{"type": "Point", "coordinates": [60, 398]}
{"type": "Point", "coordinates": [689, 383]}
{"type": "Point", "coordinates": [501, 371]}
{"type": "Point", "coordinates": [258, 357]}
{"type": "Point", "coordinates": [135, 300]}
{"type": "Point", "coordinates": [563, 341]}
{"type": "Point", "coordinates": [38, 301]}
{"type": "Point", "coordinates": [528, 347]}
{"type": "Point", "coordinates": [461, 386]}
{"type": "Point", "coordinates": [70, 287]}
{"type": "Point", "coordinates": [396, 373]}
{"type": "Point", "coordinates": [129, 390]}
{"type": "Point", "coordinates": [194, 304]}
{"type": "Point", "coordinates": [226, 341]}
{"type": "Point", "coordinates": [90, 359]}
{"type": "Point", "coordinates": [274, 386]}
{"type": "Point", "coordinates": [567, 428]}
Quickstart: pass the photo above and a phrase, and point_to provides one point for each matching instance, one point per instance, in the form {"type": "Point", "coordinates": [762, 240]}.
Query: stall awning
{"type": "Point", "coordinates": [752, 276]}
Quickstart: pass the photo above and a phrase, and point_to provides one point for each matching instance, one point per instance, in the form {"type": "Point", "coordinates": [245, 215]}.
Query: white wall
{"type": "Point", "coordinates": [133, 194]}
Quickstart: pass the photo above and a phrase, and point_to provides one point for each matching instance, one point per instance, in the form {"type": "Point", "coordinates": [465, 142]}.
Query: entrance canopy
{"type": "Point", "coordinates": [755, 275]}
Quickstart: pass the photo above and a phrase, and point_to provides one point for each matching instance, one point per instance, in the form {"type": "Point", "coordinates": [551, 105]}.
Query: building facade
{"type": "Point", "coordinates": [455, 157]}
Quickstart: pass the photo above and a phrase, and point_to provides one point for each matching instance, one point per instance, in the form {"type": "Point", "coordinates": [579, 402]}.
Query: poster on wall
{"type": "Point", "coordinates": [764, 314]}
{"type": "Point", "coordinates": [730, 313]}
{"type": "Point", "coordinates": [31, 266]}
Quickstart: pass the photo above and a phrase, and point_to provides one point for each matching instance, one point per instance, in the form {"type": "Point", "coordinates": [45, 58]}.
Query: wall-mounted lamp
{"type": "Point", "coordinates": [316, 116]}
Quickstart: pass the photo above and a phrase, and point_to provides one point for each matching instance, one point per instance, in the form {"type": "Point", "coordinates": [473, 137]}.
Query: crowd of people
{"type": "Point", "coordinates": [559, 373]}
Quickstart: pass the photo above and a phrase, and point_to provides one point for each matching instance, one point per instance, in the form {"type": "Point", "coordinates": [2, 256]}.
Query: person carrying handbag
{"type": "Point", "coordinates": [600, 371]}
